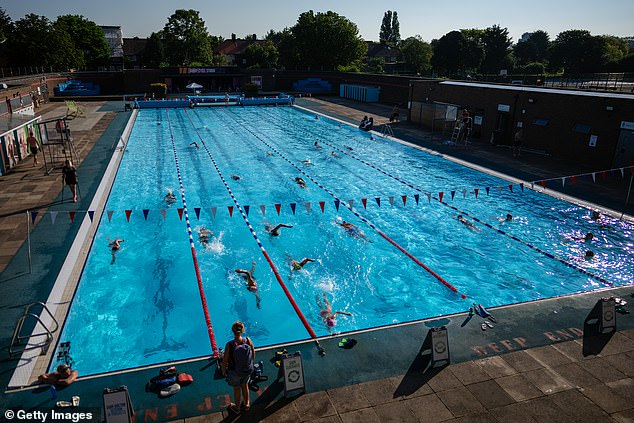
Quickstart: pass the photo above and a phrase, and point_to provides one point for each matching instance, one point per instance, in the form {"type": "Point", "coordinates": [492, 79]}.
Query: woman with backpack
{"type": "Point", "coordinates": [237, 366]}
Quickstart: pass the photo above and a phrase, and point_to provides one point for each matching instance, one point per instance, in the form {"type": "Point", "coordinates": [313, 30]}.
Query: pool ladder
{"type": "Point", "coordinates": [18, 344]}
{"type": "Point", "coordinates": [386, 130]}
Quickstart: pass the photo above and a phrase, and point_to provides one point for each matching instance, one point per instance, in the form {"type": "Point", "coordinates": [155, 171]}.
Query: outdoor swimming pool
{"type": "Point", "coordinates": [145, 307]}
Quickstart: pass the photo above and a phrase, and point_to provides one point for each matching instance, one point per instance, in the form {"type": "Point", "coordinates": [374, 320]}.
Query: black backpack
{"type": "Point", "coordinates": [243, 357]}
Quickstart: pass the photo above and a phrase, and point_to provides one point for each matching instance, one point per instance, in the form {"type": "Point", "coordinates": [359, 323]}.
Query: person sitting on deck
{"type": "Point", "coordinates": [363, 122]}
{"type": "Point", "coordinates": [64, 376]}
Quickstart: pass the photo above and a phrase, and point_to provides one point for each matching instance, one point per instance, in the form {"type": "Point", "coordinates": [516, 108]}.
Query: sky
{"type": "Point", "coordinates": [429, 19]}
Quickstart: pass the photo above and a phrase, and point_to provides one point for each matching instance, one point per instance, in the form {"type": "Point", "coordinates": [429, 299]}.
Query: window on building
{"type": "Point", "coordinates": [541, 122]}
{"type": "Point", "coordinates": [582, 128]}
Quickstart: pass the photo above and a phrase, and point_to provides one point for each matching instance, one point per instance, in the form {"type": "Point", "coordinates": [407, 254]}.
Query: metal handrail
{"type": "Point", "coordinates": [17, 339]}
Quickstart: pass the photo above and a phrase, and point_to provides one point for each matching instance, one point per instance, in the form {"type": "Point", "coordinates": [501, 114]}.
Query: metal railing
{"type": "Point", "coordinates": [18, 344]}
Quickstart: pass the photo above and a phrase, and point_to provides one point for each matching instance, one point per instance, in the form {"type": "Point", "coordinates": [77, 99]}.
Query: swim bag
{"type": "Point", "coordinates": [184, 379]}
{"type": "Point", "coordinates": [243, 357]}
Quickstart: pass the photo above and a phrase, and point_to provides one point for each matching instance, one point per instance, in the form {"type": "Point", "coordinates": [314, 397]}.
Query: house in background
{"type": "Point", "coordinates": [234, 49]}
{"type": "Point", "coordinates": [133, 52]}
{"type": "Point", "coordinates": [114, 37]}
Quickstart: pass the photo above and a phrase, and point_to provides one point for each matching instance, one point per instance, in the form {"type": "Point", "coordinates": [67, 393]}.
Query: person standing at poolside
{"type": "Point", "coordinates": [33, 145]}
{"type": "Point", "coordinates": [238, 378]}
{"type": "Point", "coordinates": [69, 177]}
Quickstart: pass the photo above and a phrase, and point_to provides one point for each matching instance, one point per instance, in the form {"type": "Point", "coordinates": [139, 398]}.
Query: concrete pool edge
{"type": "Point", "coordinates": [60, 297]}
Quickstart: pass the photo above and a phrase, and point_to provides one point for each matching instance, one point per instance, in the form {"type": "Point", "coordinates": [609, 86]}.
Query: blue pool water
{"type": "Point", "coordinates": [145, 307]}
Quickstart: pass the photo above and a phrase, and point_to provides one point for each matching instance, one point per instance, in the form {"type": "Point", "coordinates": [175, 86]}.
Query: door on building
{"type": "Point", "coordinates": [500, 134]}
{"type": "Point", "coordinates": [624, 155]}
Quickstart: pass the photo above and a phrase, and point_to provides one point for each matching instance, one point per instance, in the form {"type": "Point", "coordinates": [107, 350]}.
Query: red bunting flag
{"type": "Point", "coordinates": [404, 198]}
{"type": "Point", "coordinates": [145, 213]}
{"type": "Point", "coordinates": [543, 183]}
{"type": "Point", "coordinates": [91, 214]}
{"type": "Point", "coordinates": [109, 213]}
{"type": "Point", "coordinates": [278, 207]}
{"type": "Point", "coordinates": [180, 213]}
{"type": "Point", "coordinates": [33, 216]}
{"type": "Point", "coordinates": [364, 201]}
{"type": "Point", "coordinates": [263, 209]}
{"type": "Point", "coordinates": [321, 205]}
{"type": "Point", "coordinates": [511, 187]}
{"type": "Point", "coordinates": [197, 211]}
{"type": "Point", "coordinates": [71, 214]}
{"type": "Point", "coordinates": [230, 211]}
{"type": "Point", "coordinates": [440, 195]}
{"type": "Point", "coordinates": [476, 192]}
{"type": "Point", "coordinates": [128, 213]}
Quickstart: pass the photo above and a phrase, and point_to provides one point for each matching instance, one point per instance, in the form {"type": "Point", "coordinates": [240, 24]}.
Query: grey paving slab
{"type": "Point", "coordinates": [580, 408]}
{"type": "Point", "coordinates": [548, 356]}
{"type": "Point", "coordinates": [547, 381]}
{"type": "Point", "coordinates": [429, 409]}
{"type": "Point", "coordinates": [606, 398]}
{"type": "Point", "coordinates": [572, 349]}
{"type": "Point", "coordinates": [444, 380]}
{"type": "Point", "coordinates": [485, 417]}
{"type": "Point", "coordinates": [396, 412]}
{"type": "Point", "coordinates": [206, 418]}
{"type": "Point", "coordinates": [623, 387]}
{"type": "Point", "coordinates": [496, 367]}
{"type": "Point", "coordinates": [367, 415]}
{"type": "Point", "coordinates": [515, 413]}
{"type": "Point", "coordinates": [329, 419]}
{"type": "Point", "coordinates": [522, 361]}
{"type": "Point", "coordinates": [623, 362]}
{"type": "Point", "coordinates": [378, 391]}
{"type": "Point", "coordinates": [314, 405]}
{"type": "Point", "coordinates": [618, 343]}
{"type": "Point", "coordinates": [576, 375]}
{"type": "Point", "coordinates": [518, 387]}
{"type": "Point", "coordinates": [601, 368]}
{"type": "Point", "coordinates": [544, 410]}
{"type": "Point", "coordinates": [460, 402]}
{"type": "Point", "coordinates": [469, 372]}
{"type": "Point", "coordinates": [628, 332]}
{"type": "Point", "coordinates": [626, 416]}
{"type": "Point", "coordinates": [287, 413]}
{"type": "Point", "coordinates": [347, 398]}
{"type": "Point", "coordinates": [490, 394]}
{"type": "Point", "coordinates": [410, 385]}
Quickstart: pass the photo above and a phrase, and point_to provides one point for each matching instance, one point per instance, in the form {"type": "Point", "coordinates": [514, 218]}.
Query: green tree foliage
{"type": "Point", "coordinates": [390, 34]}
{"type": "Point", "coordinates": [455, 54]}
{"type": "Point", "coordinates": [186, 40]}
{"type": "Point", "coordinates": [496, 43]}
{"type": "Point", "coordinates": [326, 41]}
{"type": "Point", "coordinates": [26, 40]}
{"type": "Point", "coordinates": [534, 49]}
{"type": "Point", "coordinates": [6, 25]}
{"type": "Point", "coordinates": [416, 53]}
{"type": "Point", "coordinates": [154, 55]}
{"type": "Point", "coordinates": [541, 40]}
{"type": "Point", "coordinates": [88, 37]}
{"type": "Point", "coordinates": [375, 65]}
{"type": "Point", "coordinates": [577, 51]}
{"type": "Point", "coordinates": [614, 48]}
{"type": "Point", "coordinates": [261, 55]}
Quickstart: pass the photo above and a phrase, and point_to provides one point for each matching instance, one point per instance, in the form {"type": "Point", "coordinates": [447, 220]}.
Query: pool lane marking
{"type": "Point", "coordinates": [513, 237]}
{"type": "Point", "coordinates": [363, 219]}
{"type": "Point", "coordinates": [301, 316]}
{"type": "Point", "coordinates": [203, 299]}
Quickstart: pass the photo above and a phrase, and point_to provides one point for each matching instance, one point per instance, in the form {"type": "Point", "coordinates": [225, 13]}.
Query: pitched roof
{"type": "Point", "coordinates": [235, 47]}
{"type": "Point", "coordinates": [134, 46]}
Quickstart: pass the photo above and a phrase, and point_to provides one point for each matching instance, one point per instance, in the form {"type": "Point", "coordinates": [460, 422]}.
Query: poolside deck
{"type": "Point", "coordinates": [541, 363]}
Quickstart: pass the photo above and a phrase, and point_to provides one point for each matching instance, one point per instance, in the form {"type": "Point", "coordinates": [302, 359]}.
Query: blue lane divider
{"type": "Point", "coordinates": [346, 205]}
{"type": "Point", "coordinates": [201, 291]}
{"type": "Point", "coordinates": [513, 237]}
{"type": "Point", "coordinates": [301, 316]}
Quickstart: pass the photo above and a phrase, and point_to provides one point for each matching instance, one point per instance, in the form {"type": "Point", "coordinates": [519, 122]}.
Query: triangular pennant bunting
{"type": "Point", "coordinates": [428, 197]}
{"type": "Point", "coordinates": [246, 210]}
{"type": "Point", "coordinates": [511, 187]}
{"type": "Point", "coordinates": [622, 173]}
{"type": "Point", "coordinates": [307, 204]}
{"type": "Point", "coordinates": [440, 195]}
{"type": "Point", "coordinates": [476, 192]}
{"type": "Point", "coordinates": [543, 183]}
{"type": "Point", "coordinates": [488, 189]}
{"type": "Point", "coordinates": [34, 215]}
{"type": "Point", "coordinates": [293, 205]}
{"type": "Point", "coordinates": [128, 213]}
{"type": "Point", "coordinates": [337, 204]}
{"type": "Point", "coordinates": [464, 193]}
{"type": "Point", "coordinates": [213, 211]}
{"type": "Point", "coordinates": [416, 198]}
{"type": "Point", "coordinates": [197, 211]}
{"type": "Point", "coordinates": [404, 198]}
{"type": "Point", "coordinates": [180, 213]}
{"type": "Point", "coordinates": [54, 216]}
{"type": "Point", "coordinates": [163, 213]}
{"type": "Point", "coordinates": [278, 207]}
{"type": "Point", "coordinates": [321, 205]}
{"type": "Point", "coordinates": [91, 214]}
{"type": "Point", "coordinates": [453, 193]}
{"type": "Point", "coordinates": [563, 182]}
{"type": "Point", "coordinates": [230, 211]}
{"type": "Point", "coordinates": [109, 213]}
{"type": "Point", "coordinates": [71, 214]}
{"type": "Point", "coordinates": [145, 213]}
{"type": "Point", "coordinates": [263, 209]}
{"type": "Point", "coordinates": [499, 189]}
{"type": "Point", "coordinates": [594, 177]}
{"type": "Point", "coordinates": [522, 186]}
{"type": "Point", "coordinates": [391, 198]}
{"type": "Point", "coordinates": [351, 203]}
{"type": "Point", "coordinates": [364, 201]}
{"type": "Point", "coordinates": [378, 201]}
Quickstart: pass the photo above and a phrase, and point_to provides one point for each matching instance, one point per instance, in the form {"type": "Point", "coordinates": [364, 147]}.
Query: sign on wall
{"type": "Point", "coordinates": [504, 108]}
{"type": "Point", "coordinates": [593, 140]}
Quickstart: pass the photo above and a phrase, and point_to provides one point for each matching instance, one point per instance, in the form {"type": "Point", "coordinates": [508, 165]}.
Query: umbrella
{"type": "Point", "coordinates": [194, 86]}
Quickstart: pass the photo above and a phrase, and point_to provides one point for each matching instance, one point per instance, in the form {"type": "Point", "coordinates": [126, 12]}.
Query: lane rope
{"type": "Point", "coordinates": [301, 316]}
{"type": "Point", "coordinates": [513, 237]}
{"type": "Point", "coordinates": [346, 205]}
{"type": "Point", "coordinates": [201, 291]}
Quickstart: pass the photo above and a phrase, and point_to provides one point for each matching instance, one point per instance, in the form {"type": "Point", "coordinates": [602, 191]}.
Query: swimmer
{"type": "Point", "coordinates": [307, 162]}
{"type": "Point", "coordinates": [596, 215]}
{"type": "Point", "coordinates": [169, 198]}
{"type": "Point", "coordinates": [275, 231]}
{"type": "Point", "coordinates": [589, 254]}
{"type": "Point", "coordinates": [468, 224]}
{"type": "Point", "coordinates": [348, 147]}
{"type": "Point", "coordinates": [589, 236]}
{"type": "Point", "coordinates": [204, 235]}
{"type": "Point", "coordinates": [329, 318]}
{"type": "Point", "coordinates": [334, 154]}
{"type": "Point", "coordinates": [298, 265]}
{"type": "Point", "coordinates": [508, 218]}
{"type": "Point", "coordinates": [301, 182]}
{"type": "Point", "coordinates": [353, 230]}
{"type": "Point", "coordinates": [252, 285]}
{"type": "Point", "coordinates": [268, 153]}
{"type": "Point", "coordinates": [317, 145]}
{"type": "Point", "coordinates": [195, 144]}
{"type": "Point", "coordinates": [235, 177]}
{"type": "Point", "coordinates": [316, 117]}
{"type": "Point", "coordinates": [371, 137]}
{"type": "Point", "coordinates": [114, 247]}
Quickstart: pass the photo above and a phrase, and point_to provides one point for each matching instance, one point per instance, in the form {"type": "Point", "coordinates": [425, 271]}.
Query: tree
{"type": "Point", "coordinates": [88, 38]}
{"type": "Point", "coordinates": [541, 40]}
{"type": "Point", "coordinates": [614, 48]}
{"type": "Point", "coordinates": [154, 54]}
{"type": "Point", "coordinates": [263, 55]}
{"type": "Point", "coordinates": [416, 53]}
{"type": "Point", "coordinates": [375, 65]}
{"type": "Point", "coordinates": [26, 40]}
{"type": "Point", "coordinates": [327, 41]}
{"type": "Point", "coordinates": [186, 40]}
{"type": "Point", "coordinates": [496, 43]}
{"type": "Point", "coordinates": [577, 51]}
{"type": "Point", "coordinates": [455, 54]}
{"type": "Point", "coordinates": [390, 29]}
{"type": "Point", "coordinates": [534, 49]}
{"type": "Point", "coordinates": [6, 25]}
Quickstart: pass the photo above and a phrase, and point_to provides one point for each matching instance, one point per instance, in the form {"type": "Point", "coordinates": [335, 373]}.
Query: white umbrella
{"type": "Point", "coordinates": [194, 86]}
